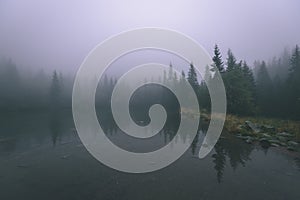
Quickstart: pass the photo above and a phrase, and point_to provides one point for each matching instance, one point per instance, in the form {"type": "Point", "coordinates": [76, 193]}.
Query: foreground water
{"type": "Point", "coordinates": [41, 157]}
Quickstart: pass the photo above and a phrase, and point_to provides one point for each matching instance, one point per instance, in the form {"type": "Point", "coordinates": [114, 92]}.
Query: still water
{"type": "Point", "coordinates": [41, 157]}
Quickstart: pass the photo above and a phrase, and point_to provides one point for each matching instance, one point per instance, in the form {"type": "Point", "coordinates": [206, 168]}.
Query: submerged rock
{"type": "Point", "coordinates": [242, 137]}
{"type": "Point", "coordinates": [249, 141]}
{"type": "Point", "coordinates": [65, 157]}
{"type": "Point", "coordinates": [292, 143]}
{"type": "Point", "coordinates": [291, 148]}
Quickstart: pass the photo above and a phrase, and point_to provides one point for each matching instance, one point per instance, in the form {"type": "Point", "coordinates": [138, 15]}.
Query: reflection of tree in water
{"type": "Point", "coordinates": [108, 124]}
{"type": "Point", "coordinates": [232, 149]}
{"type": "Point", "coordinates": [201, 132]}
{"type": "Point", "coordinates": [55, 127]}
{"type": "Point", "coordinates": [194, 144]}
{"type": "Point", "coordinates": [8, 144]}
{"type": "Point", "coordinates": [297, 161]}
{"type": "Point", "coordinates": [219, 160]}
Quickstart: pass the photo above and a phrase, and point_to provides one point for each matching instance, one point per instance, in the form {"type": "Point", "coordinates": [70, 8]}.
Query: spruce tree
{"type": "Point", "coordinates": [192, 77]}
{"type": "Point", "coordinates": [231, 61]}
{"type": "Point", "coordinates": [264, 90]}
{"type": "Point", "coordinates": [55, 90]}
{"type": "Point", "coordinates": [217, 58]}
{"type": "Point", "coordinates": [193, 81]}
{"type": "Point", "coordinates": [294, 84]}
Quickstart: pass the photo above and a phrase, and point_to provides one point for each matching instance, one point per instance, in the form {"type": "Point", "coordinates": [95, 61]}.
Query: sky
{"type": "Point", "coordinates": [59, 34]}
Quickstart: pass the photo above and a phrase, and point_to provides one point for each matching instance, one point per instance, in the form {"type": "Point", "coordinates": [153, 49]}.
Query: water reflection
{"type": "Point", "coordinates": [228, 152]}
{"type": "Point", "coordinates": [52, 130]}
{"type": "Point", "coordinates": [7, 145]}
{"type": "Point", "coordinates": [55, 127]}
{"type": "Point", "coordinates": [232, 150]}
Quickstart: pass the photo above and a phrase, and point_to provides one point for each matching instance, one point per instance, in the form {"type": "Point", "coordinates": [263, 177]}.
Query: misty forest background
{"type": "Point", "coordinates": [270, 89]}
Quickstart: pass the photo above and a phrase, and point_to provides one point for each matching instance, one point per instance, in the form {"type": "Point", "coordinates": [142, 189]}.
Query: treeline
{"type": "Point", "coordinates": [270, 89]}
{"type": "Point", "coordinates": [265, 89]}
{"type": "Point", "coordinates": [27, 90]}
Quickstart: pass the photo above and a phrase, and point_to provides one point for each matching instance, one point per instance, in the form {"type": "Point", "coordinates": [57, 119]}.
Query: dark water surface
{"type": "Point", "coordinates": [41, 157]}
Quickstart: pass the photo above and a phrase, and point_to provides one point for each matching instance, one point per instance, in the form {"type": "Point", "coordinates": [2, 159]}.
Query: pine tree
{"type": "Point", "coordinates": [192, 78]}
{"type": "Point", "coordinates": [217, 58]}
{"type": "Point", "coordinates": [204, 97]}
{"type": "Point", "coordinates": [182, 77]}
{"type": "Point", "coordinates": [170, 74]}
{"type": "Point", "coordinates": [231, 61]}
{"type": "Point", "coordinates": [239, 84]}
{"type": "Point", "coordinates": [165, 77]}
{"type": "Point", "coordinates": [294, 83]}
{"type": "Point", "coordinates": [295, 61]}
{"type": "Point", "coordinates": [193, 81]}
{"type": "Point", "coordinates": [55, 90]}
{"type": "Point", "coordinates": [264, 90]}
{"type": "Point", "coordinates": [250, 87]}
{"type": "Point", "coordinates": [249, 77]}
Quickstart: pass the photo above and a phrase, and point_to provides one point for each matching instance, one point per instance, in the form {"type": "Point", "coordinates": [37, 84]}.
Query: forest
{"type": "Point", "coordinates": [268, 88]}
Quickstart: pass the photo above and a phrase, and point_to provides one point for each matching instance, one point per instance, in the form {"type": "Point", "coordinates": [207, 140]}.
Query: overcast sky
{"type": "Point", "coordinates": [60, 33]}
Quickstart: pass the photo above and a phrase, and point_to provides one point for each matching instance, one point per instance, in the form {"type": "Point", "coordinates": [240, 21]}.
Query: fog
{"type": "Point", "coordinates": [53, 34]}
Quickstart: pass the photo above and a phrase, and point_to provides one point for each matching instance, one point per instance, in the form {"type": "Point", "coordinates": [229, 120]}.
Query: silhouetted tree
{"type": "Point", "coordinates": [192, 78]}
{"type": "Point", "coordinates": [264, 90]}
{"type": "Point", "coordinates": [55, 90]}
{"type": "Point", "coordinates": [294, 83]}
{"type": "Point", "coordinates": [239, 87]}
{"type": "Point", "coordinates": [217, 58]}
{"type": "Point", "coordinates": [231, 61]}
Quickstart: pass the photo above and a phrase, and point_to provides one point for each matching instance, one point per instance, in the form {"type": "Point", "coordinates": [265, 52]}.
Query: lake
{"type": "Point", "coordinates": [42, 157]}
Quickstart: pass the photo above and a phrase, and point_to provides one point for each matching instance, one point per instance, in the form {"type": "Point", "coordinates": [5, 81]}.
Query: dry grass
{"type": "Point", "coordinates": [233, 123]}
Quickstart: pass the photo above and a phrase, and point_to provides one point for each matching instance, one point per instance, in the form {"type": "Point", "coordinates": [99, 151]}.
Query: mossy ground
{"type": "Point", "coordinates": [233, 124]}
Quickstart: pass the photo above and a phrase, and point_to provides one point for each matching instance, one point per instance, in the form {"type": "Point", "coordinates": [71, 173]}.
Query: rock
{"type": "Point", "coordinates": [281, 138]}
{"type": "Point", "coordinates": [265, 135]}
{"type": "Point", "coordinates": [268, 128]}
{"type": "Point", "coordinates": [249, 141]}
{"type": "Point", "coordinates": [263, 139]}
{"type": "Point", "coordinates": [252, 126]}
{"type": "Point", "coordinates": [282, 144]}
{"type": "Point", "coordinates": [274, 141]}
{"type": "Point", "coordinates": [284, 134]}
{"type": "Point", "coordinates": [264, 143]}
{"type": "Point", "coordinates": [290, 148]}
{"type": "Point", "coordinates": [274, 145]}
{"type": "Point", "coordinates": [292, 143]}
{"type": "Point", "coordinates": [65, 157]}
{"type": "Point", "coordinates": [242, 137]}
{"type": "Point", "coordinates": [245, 132]}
